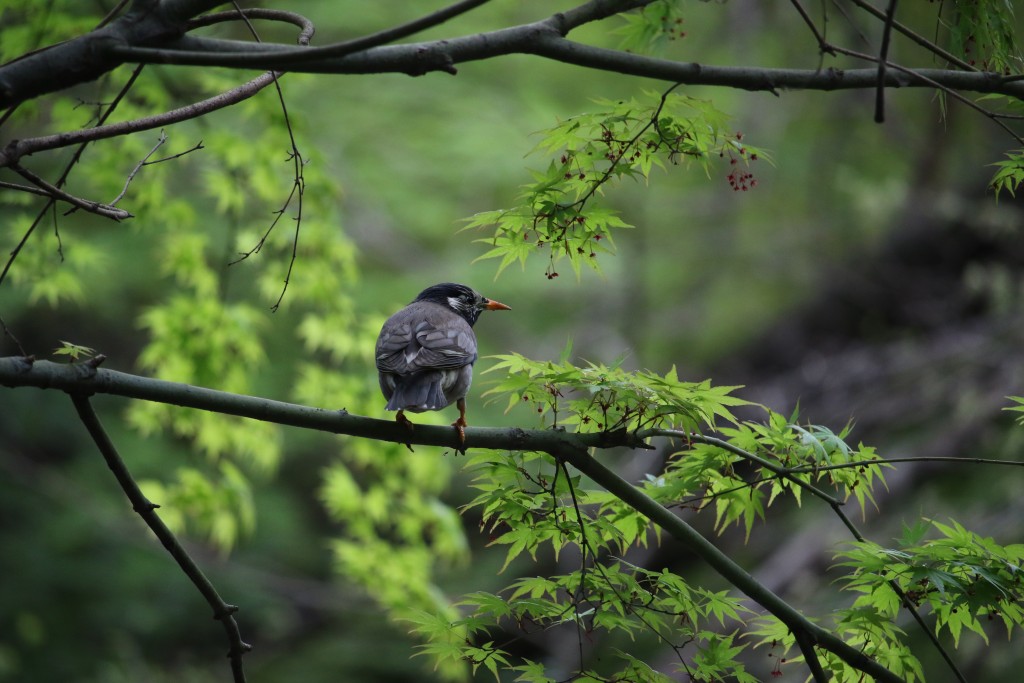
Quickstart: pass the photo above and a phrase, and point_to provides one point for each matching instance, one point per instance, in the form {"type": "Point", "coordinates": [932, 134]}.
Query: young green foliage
{"type": "Point", "coordinates": [652, 27]}
{"type": "Point", "coordinates": [74, 352]}
{"type": "Point", "coordinates": [626, 139]}
{"type": "Point", "coordinates": [1010, 174]}
{"type": "Point", "coordinates": [983, 32]}
{"type": "Point", "coordinates": [598, 397]}
{"type": "Point", "coordinates": [964, 579]}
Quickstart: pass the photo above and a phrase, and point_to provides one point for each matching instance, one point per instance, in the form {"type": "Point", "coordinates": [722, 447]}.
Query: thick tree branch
{"type": "Point", "coordinates": [160, 37]}
{"type": "Point", "coordinates": [545, 39]}
{"type": "Point", "coordinates": [764, 79]}
{"type": "Point", "coordinates": [16, 149]}
{"type": "Point", "coordinates": [810, 633]}
{"type": "Point", "coordinates": [85, 378]}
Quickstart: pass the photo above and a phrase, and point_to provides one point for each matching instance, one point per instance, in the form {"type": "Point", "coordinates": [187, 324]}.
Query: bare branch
{"type": "Point", "coordinates": [241, 54]}
{"type": "Point", "coordinates": [883, 55]}
{"type": "Point", "coordinates": [916, 37]}
{"type": "Point", "coordinates": [298, 185]}
{"type": "Point", "coordinates": [222, 611]}
{"type": "Point", "coordinates": [55, 192]}
{"type": "Point", "coordinates": [823, 45]}
{"type": "Point", "coordinates": [19, 148]}
{"type": "Point", "coordinates": [142, 162]}
{"type": "Point", "coordinates": [23, 188]}
{"type": "Point", "coordinates": [766, 79]}
{"type": "Point", "coordinates": [921, 76]}
{"type": "Point", "coordinates": [305, 25]}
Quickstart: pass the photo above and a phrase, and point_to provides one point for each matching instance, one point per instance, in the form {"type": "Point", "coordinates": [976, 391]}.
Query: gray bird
{"type": "Point", "coordinates": [425, 352]}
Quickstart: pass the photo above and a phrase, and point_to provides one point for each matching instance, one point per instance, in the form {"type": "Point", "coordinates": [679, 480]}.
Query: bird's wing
{"type": "Point", "coordinates": [413, 342]}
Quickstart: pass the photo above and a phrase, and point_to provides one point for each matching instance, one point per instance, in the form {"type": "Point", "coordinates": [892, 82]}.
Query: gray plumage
{"type": "Point", "coordinates": [425, 352]}
{"type": "Point", "coordinates": [425, 355]}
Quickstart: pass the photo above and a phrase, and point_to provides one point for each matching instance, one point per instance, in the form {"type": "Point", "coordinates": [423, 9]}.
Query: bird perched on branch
{"type": "Point", "coordinates": [425, 352]}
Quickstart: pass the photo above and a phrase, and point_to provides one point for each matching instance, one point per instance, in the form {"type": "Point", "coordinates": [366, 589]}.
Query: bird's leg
{"type": "Point", "coordinates": [401, 419]}
{"type": "Point", "coordinates": [460, 424]}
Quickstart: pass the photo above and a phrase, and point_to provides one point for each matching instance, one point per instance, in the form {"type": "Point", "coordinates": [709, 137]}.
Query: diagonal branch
{"type": "Point", "coordinates": [54, 192]}
{"type": "Point", "coordinates": [146, 509]}
{"type": "Point", "coordinates": [10, 154]}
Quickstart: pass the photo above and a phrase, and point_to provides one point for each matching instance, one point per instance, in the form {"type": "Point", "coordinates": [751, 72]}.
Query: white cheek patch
{"type": "Point", "coordinates": [454, 303]}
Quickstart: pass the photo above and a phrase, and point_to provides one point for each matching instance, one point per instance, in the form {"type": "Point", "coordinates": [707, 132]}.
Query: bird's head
{"type": "Point", "coordinates": [461, 299]}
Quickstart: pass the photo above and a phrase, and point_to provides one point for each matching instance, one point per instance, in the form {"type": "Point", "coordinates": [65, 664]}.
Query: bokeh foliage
{"type": "Point", "coordinates": [384, 185]}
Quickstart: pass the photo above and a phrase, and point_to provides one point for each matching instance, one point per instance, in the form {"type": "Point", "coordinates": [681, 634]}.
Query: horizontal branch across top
{"type": "Point", "coordinates": [155, 38]}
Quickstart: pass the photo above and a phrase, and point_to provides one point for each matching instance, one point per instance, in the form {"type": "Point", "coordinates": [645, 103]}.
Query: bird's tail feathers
{"type": "Point", "coordinates": [418, 394]}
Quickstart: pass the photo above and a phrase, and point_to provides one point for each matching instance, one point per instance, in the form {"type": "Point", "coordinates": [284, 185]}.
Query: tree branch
{"type": "Point", "coordinates": [222, 611]}
{"type": "Point", "coordinates": [19, 148]}
{"type": "Point", "coordinates": [86, 379]}
{"type": "Point", "coordinates": [153, 37]}
{"type": "Point", "coordinates": [83, 378]}
{"type": "Point", "coordinates": [883, 56]}
{"type": "Point", "coordinates": [55, 192]}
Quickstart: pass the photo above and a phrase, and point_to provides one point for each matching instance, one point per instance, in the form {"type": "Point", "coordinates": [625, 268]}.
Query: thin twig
{"type": "Point", "coordinates": [916, 37]}
{"type": "Point", "coordinates": [283, 59]}
{"type": "Point", "coordinates": [63, 177]}
{"type": "Point", "coordinates": [56, 231]}
{"type": "Point", "coordinates": [16, 150]}
{"type": "Point", "coordinates": [823, 46]}
{"type": "Point", "coordinates": [299, 184]}
{"type": "Point", "coordinates": [131, 176]}
{"type": "Point", "coordinates": [55, 192]}
{"type": "Point", "coordinates": [9, 112]}
{"type": "Point", "coordinates": [284, 16]}
{"type": "Point", "coordinates": [907, 603]}
{"type": "Point", "coordinates": [145, 161]}
{"type": "Point", "coordinates": [916, 74]}
{"type": "Point", "coordinates": [842, 10]}
{"type": "Point", "coordinates": [222, 611]}
{"type": "Point", "coordinates": [585, 547]}
{"type": "Point", "coordinates": [883, 56]}
{"type": "Point", "coordinates": [24, 239]}
{"type": "Point", "coordinates": [10, 335]}
{"type": "Point", "coordinates": [177, 155]}
{"type": "Point", "coordinates": [746, 455]}
{"type": "Point", "coordinates": [581, 593]}
{"type": "Point", "coordinates": [75, 157]}
{"type": "Point", "coordinates": [109, 17]}
{"type": "Point", "coordinates": [31, 189]}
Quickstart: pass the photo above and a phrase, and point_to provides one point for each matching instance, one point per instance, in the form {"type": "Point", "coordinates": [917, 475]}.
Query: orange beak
{"type": "Point", "coordinates": [493, 305]}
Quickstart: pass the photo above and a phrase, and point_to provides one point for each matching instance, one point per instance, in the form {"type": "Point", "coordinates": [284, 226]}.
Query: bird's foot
{"type": "Point", "coordinates": [401, 419]}
{"type": "Point", "coordinates": [460, 427]}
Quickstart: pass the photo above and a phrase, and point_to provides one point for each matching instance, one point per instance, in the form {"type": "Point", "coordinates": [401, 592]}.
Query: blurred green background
{"type": "Point", "coordinates": [870, 276]}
